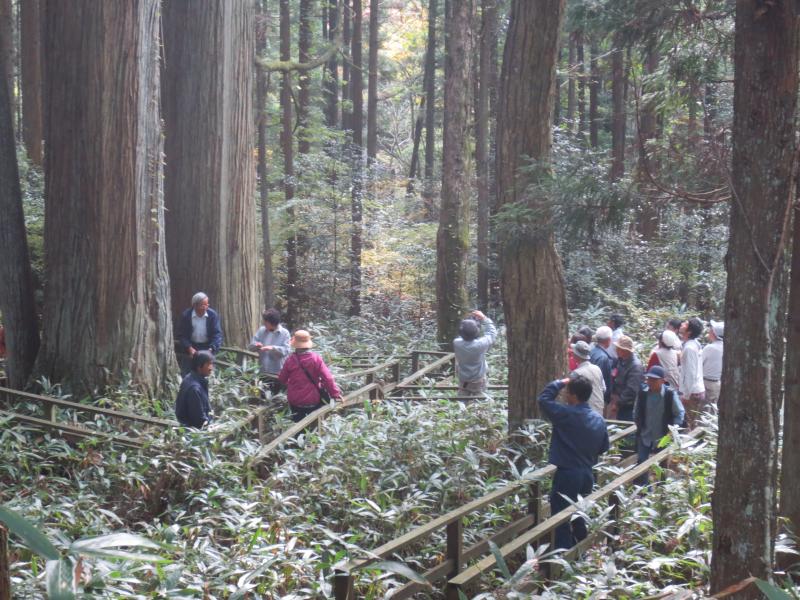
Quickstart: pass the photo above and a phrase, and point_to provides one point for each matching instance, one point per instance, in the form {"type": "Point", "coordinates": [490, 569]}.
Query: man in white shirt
{"type": "Point", "coordinates": [582, 352]}
{"type": "Point", "coordinates": [712, 361]}
{"type": "Point", "coordinates": [692, 389]}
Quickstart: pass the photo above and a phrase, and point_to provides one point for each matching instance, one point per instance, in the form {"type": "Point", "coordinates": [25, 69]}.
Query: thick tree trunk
{"type": "Point", "coordinates": [372, 85]}
{"type": "Point", "coordinates": [617, 112]}
{"type": "Point", "coordinates": [263, 184]}
{"type": "Point", "coordinates": [790, 465]}
{"type": "Point", "coordinates": [210, 176]}
{"type": "Point", "coordinates": [304, 78]}
{"type": "Point", "coordinates": [108, 300]}
{"type": "Point", "coordinates": [7, 54]}
{"type": "Point", "coordinates": [31, 78]}
{"type": "Point", "coordinates": [488, 24]}
{"type": "Point", "coordinates": [452, 239]}
{"type": "Point", "coordinates": [331, 76]}
{"type": "Point", "coordinates": [594, 94]}
{"type": "Point", "coordinates": [16, 292]}
{"type": "Point", "coordinates": [532, 280]}
{"type": "Point", "coordinates": [356, 200]}
{"type": "Point", "coordinates": [763, 176]}
{"type": "Point", "coordinates": [430, 110]}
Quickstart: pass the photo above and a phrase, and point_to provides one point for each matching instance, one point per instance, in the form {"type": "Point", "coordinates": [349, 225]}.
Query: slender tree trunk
{"type": "Point", "coordinates": [16, 293]}
{"type": "Point", "coordinates": [571, 89]}
{"type": "Point", "coordinates": [495, 293]}
{"type": "Point", "coordinates": [414, 166]}
{"type": "Point", "coordinates": [107, 304]}
{"type": "Point", "coordinates": [331, 77]}
{"type": "Point", "coordinates": [557, 92]}
{"type": "Point", "coordinates": [372, 86]}
{"type": "Point", "coordinates": [532, 280]}
{"type": "Point", "coordinates": [31, 78]}
{"type": "Point", "coordinates": [356, 200]}
{"type": "Point", "coordinates": [263, 184]}
{"type": "Point", "coordinates": [617, 112]}
{"type": "Point", "coordinates": [347, 16]}
{"type": "Point", "coordinates": [304, 78]}
{"type": "Point", "coordinates": [581, 64]}
{"type": "Point", "coordinates": [452, 239]}
{"type": "Point", "coordinates": [763, 177]}
{"type": "Point", "coordinates": [647, 223]}
{"type": "Point", "coordinates": [488, 20]}
{"type": "Point", "coordinates": [7, 50]}
{"type": "Point", "coordinates": [430, 110]}
{"type": "Point", "coordinates": [210, 176]}
{"type": "Point", "coordinates": [594, 94]}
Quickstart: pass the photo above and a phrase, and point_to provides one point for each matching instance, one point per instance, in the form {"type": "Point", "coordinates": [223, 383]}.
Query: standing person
{"type": "Point", "coordinates": [579, 437]}
{"type": "Point", "coordinates": [712, 361]}
{"type": "Point", "coordinates": [470, 351]}
{"type": "Point", "coordinates": [192, 407]}
{"type": "Point", "coordinates": [581, 351]}
{"type": "Point", "coordinates": [667, 355]}
{"type": "Point", "coordinates": [615, 323]}
{"type": "Point", "coordinates": [199, 327]}
{"type": "Point", "coordinates": [627, 382]}
{"type": "Point", "coordinates": [674, 325]}
{"type": "Point", "coordinates": [584, 334]}
{"type": "Point", "coordinates": [601, 357]}
{"type": "Point", "coordinates": [304, 373]}
{"type": "Point", "coordinates": [657, 407]}
{"type": "Point", "coordinates": [692, 389]}
{"type": "Point", "coordinates": [271, 341]}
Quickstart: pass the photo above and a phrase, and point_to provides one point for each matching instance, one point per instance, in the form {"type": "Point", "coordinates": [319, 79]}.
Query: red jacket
{"type": "Point", "coordinates": [300, 391]}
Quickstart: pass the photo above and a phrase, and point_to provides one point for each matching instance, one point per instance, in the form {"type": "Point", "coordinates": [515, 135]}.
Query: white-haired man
{"type": "Point", "coordinates": [601, 357]}
{"type": "Point", "coordinates": [199, 327]}
{"type": "Point", "coordinates": [712, 360]}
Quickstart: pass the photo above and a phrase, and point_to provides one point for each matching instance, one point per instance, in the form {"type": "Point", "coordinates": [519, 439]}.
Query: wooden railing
{"type": "Point", "coordinates": [455, 554]}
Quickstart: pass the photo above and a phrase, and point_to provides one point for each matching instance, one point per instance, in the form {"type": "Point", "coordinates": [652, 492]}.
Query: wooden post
{"type": "Point", "coordinates": [613, 529]}
{"type": "Point", "coordinates": [5, 577]}
{"type": "Point", "coordinates": [373, 394]}
{"type": "Point", "coordinates": [50, 412]}
{"type": "Point", "coordinates": [535, 502]}
{"type": "Point", "coordinates": [414, 361]}
{"type": "Point", "coordinates": [261, 425]}
{"type": "Point", "coordinates": [343, 586]}
{"type": "Point", "coordinates": [455, 545]}
{"type": "Point", "coordinates": [396, 372]}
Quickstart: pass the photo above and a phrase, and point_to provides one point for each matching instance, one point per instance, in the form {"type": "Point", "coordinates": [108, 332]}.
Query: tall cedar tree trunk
{"type": "Point", "coordinates": [647, 221]}
{"type": "Point", "coordinates": [210, 173]}
{"type": "Point", "coordinates": [372, 84]}
{"type": "Point", "coordinates": [790, 465]}
{"type": "Point", "coordinates": [617, 111]}
{"type": "Point", "coordinates": [594, 94]}
{"type": "Point", "coordinates": [763, 169]}
{"type": "Point", "coordinates": [430, 111]}
{"type": "Point", "coordinates": [304, 78]}
{"type": "Point", "coordinates": [571, 96]}
{"type": "Point", "coordinates": [31, 78]}
{"type": "Point", "coordinates": [533, 284]}
{"type": "Point", "coordinates": [581, 63]}
{"type": "Point", "coordinates": [488, 20]}
{"type": "Point", "coordinates": [331, 77]}
{"type": "Point", "coordinates": [452, 238]}
{"type": "Point", "coordinates": [495, 292]}
{"type": "Point", "coordinates": [7, 56]}
{"type": "Point", "coordinates": [107, 301]}
{"type": "Point", "coordinates": [347, 16]}
{"type": "Point", "coordinates": [357, 99]}
{"type": "Point", "coordinates": [16, 293]}
{"type": "Point", "coordinates": [263, 186]}
{"type": "Point", "coordinates": [287, 147]}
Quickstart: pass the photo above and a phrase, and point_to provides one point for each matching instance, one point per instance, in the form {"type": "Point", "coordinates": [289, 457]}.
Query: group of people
{"type": "Point", "coordinates": [608, 380]}
{"type": "Point", "coordinates": [286, 362]}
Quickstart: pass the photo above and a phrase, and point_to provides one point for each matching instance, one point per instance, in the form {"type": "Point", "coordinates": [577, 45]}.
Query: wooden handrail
{"type": "Point", "coordinates": [369, 371]}
{"type": "Point", "coordinates": [73, 430]}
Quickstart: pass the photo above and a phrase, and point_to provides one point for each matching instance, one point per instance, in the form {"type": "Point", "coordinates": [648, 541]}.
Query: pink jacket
{"type": "Point", "coordinates": [300, 391]}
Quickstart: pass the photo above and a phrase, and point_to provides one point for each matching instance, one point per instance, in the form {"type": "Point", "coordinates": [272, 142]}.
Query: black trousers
{"type": "Point", "coordinates": [570, 483]}
{"type": "Point", "coordinates": [301, 412]}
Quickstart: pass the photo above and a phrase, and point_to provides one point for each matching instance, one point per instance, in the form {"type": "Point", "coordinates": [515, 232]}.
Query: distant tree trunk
{"type": "Point", "coordinates": [533, 286]}
{"type": "Point", "coordinates": [647, 222]}
{"type": "Point", "coordinates": [710, 112]}
{"type": "Point", "coordinates": [31, 78]}
{"type": "Point", "coordinates": [16, 292]}
{"type": "Point", "coordinates": [488, 20]}
{"type": "Point", "coordinates": [790, 465]}
{"type": "Point", "coordinates": [413, 168]}
{"type": "Point", "coordinates": [617, 112]}
{"type": "Point", "coordinates": [7, 54]}
{"type": "Point", "coordinates": [263, 185]}
{"type": "Point", "coordinates": [210, 176]}
{"type": "Point", "coordinates": [356, 210]}
{"type": "Point", "coordinates": [107, 304]}
{"type": "Point", "coordinates": [372, 86]}
{"type": "Point", "coordinates": [495, 294]}
{"type": "Point", "coordinates": [331, 76]}
{"type": "Point", "coordinates": [347, 16]}
{"type": "Point", "coordinates": [763, 177]}
{"type": "Point", "coordinates": [594, 94]}
{"type": "Point", "coordinates": [581, 64]}
{"type": "Point", "coordinates": [571, 95]}
{"type": "Point", "coordinates": [430, 110]}
{"type": "Point", "coordinates": [452, 239]}
{"type": "Point", "coordinates": [557, 92]}
{"type": "Point", "coordinates": [304, 77]}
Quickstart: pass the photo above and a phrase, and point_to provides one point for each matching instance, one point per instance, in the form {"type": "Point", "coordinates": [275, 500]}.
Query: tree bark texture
{"type": "Point", "coordinates": [452, 238]}
{"type": "Point", "coordinates": [356, 200]}
{"type": "Point", "coordinates": [331, 76]}
{"type": "Point", "coordinates": [372, 83]}
{"type": "Point", "coordinates": [532, 281]}
{"type": "Point", "coordinates": [31, 78]}
{"type": "Point", "coordinates": [617, 112]}
{"type": "Point", "coordinates": [107, 304]}
{"type": "Point", "coordinates": [488, 24]}
{"type": "Point", "coordinates": [16, 292]}
{"type": "Point", "coordinates": [763, 175]}
{"type": "Point", "coordinates": [304, 78]}
{"type": "Point", "coordinates": [263, 185]}
{"type": "Point", "coordinates": [210, 173]}
{"type": "Point", "coordinates": [430, 109]}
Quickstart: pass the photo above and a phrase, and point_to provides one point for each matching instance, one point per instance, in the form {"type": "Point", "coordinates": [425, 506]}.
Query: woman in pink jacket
{"type": "Point", "coordinates": [304, 373]}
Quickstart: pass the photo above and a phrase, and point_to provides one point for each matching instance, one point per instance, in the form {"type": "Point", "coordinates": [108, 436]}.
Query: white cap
{"type": "Point", "coordinates": [718, 327]}
{"type": "Point", "coordinates": [603, 333]}
{"type": "Point", "coordinates": [670, 339]}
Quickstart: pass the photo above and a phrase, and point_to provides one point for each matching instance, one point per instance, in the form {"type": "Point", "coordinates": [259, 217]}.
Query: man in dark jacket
{"type": "Point", "coordinates": [192, 407]}
{"type": "Point", "coordinates": [579, 437]}
{"type": "Point", "coordinates": [199, 327]}
{"type": "Point", "coordinates": [657, 407]}
{"type": "Point", "coordinates": [601, 357]}
{"type": "Point", "coordinates": [628, 380]}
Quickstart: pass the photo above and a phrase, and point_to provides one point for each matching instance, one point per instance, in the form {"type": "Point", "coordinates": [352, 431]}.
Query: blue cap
{"type": "Point", "coordinates": [655, 372]}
